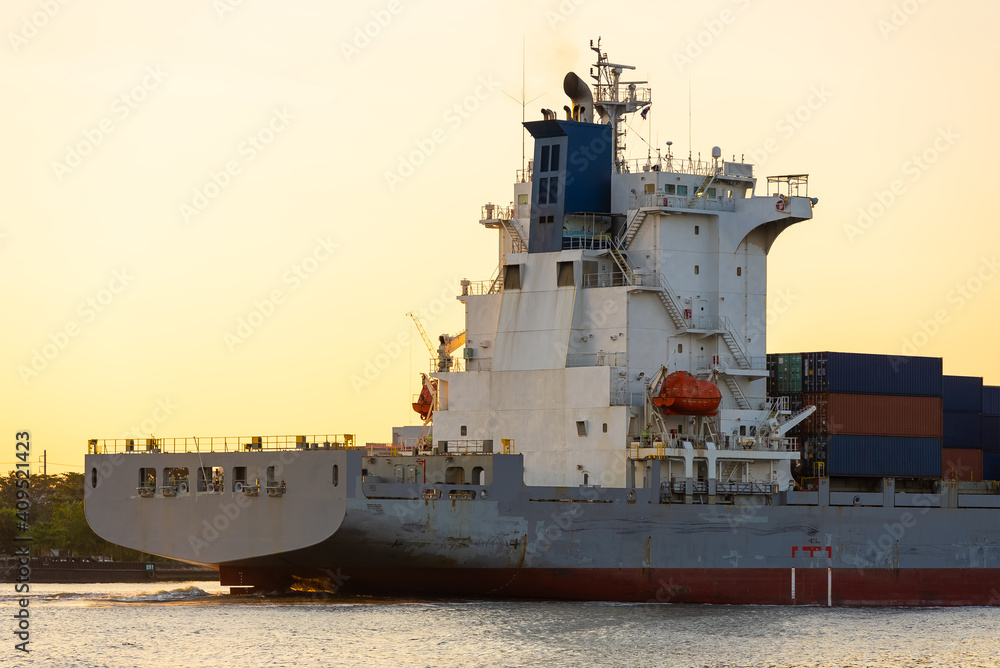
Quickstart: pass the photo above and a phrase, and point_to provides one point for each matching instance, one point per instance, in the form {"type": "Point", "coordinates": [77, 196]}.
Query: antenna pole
{"type": "Point", "coordinates": [689, 117]}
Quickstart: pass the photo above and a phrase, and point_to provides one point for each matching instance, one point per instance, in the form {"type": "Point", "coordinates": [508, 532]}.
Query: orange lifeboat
{"type": "Point", "coordinates": [424, 405]}
{"type": "Point", "coordinates": [683, 394]}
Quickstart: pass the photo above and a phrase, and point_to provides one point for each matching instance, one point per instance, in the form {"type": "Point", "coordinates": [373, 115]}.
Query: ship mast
{"type": "Point", "coordinates": [613, 98]}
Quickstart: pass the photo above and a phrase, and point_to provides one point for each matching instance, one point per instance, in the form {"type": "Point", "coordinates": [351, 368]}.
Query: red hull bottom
{"type": "Point", "coordinates": [744, 586]}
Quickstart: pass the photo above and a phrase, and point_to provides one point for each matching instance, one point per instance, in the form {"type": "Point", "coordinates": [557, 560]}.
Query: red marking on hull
{"type": "Point", "coordinates": [736, 586]}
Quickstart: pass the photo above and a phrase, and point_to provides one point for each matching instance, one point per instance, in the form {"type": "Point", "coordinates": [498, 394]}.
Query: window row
{"type": "Point", "coordinates": [547, 164]}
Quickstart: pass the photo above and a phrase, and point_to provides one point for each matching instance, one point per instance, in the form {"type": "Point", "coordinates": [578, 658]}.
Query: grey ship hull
{"type": "Point", "coordinates": [505, 539]}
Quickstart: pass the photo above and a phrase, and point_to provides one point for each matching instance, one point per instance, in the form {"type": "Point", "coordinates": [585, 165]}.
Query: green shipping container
{"type": "Point", "coordinates": [789, 373]}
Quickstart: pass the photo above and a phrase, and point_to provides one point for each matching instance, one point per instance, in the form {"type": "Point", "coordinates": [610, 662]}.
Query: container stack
{"type": "Point", "coordinates": [962, 457]}
{"type": "Point", "coordinates": [876, 415]}
{"type": "Point", "coordinates": [991, 432]}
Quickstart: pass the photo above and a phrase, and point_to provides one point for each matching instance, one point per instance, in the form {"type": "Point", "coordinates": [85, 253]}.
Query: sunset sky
{"type": "Point", "coordinates": [216, 214]}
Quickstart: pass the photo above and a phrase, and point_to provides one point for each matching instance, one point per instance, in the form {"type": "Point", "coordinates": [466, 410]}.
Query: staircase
{"type": "Point", "coordinates": [632, 225]}
{"type": "Point", "coordinates": [701, 190]}
{"type": "Point", "coordinates": [510, 227]}
{"type": "Point", "coordinates": [663, 289]}
{"type": "Point", "coordinates": [741, 399]}
{"type": "Point", "coordinates": [728, 335]}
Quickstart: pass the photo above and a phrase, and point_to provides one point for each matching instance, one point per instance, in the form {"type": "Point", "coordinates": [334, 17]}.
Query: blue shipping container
{"type": "Point", "coordinates": [991, 466]}
{"type": "Point", "coordinates": [860, 373]}
{"type": "Point", "coordinates": [991, 400]}
{"type": "Point", "coordinates": [962, 393]}
{"type": "Point", "coordinates": [962, 430]}
{"type": "Point", "coordinates": [991, 433]}
{"type": "Point", "coordinates": [884, 456]}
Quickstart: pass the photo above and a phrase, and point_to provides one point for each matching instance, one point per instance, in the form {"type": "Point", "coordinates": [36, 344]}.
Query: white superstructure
{"type": "Point", "coordinates": [612, 274]}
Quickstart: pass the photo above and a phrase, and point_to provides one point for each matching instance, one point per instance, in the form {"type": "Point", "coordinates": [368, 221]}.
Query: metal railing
{"type": "Point", "coordinates": [605, 280]}
{"type": "Point", "coordinates": [672, 165]}
{"type": "Point", "coordinates": [664, 200]}
{"type": "Point", "coordinates": [596, 359]}
{"type": "Point", "coordinates": [489, 287]}
{"type": "Point", "coordinates": [460, 364]}
{"type": "Point", "coordinates": [704, 363]}
{"type": "Point", "coordinates": [218, 444]}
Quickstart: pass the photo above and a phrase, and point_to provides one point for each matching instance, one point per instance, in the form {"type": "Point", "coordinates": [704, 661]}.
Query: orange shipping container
{"type": "Point", "coordinates": [962, 464]}
{"type": "Point", "coordinates": [874, 415]}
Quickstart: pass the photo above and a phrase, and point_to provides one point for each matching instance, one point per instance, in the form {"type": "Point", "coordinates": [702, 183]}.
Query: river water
{"type": "Point", "coordinates": [199, 624]}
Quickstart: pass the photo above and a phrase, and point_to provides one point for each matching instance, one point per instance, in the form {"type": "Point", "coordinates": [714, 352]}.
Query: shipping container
{"type": "Point", "coordinates": [789, 373]}
{"type": "Point", "coordinates": [991, 466]}
{"type": "Point", "coordinates": [857, 373]}
{"type": "Point", "coordinates": [957, 464]}
{"type": "Point", "coordinates": [884, 456]}
{"type": "Point", "coordinates": [962, 393]}
{"type": "Point", "coordinates": [874, 415]}
{"type": "Point", "coordinates": [962, 430]}
{"type": "Point", "coordinates": [991, 400]}
{"type": "Point", "coordinates": [991, 433]}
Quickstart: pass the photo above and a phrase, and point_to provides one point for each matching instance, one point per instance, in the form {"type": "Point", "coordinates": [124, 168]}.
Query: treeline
{"type": "Point", "coordinates": [55, 519]}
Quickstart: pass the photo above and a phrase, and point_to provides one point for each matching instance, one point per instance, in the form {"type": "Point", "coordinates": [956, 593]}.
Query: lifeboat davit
{"type": "Point", "coordinates": [424, 405]}
{"type": "Point", "coordinates": [683, 394]}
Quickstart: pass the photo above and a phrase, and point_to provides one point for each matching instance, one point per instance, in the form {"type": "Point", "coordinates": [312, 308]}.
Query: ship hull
{"type": "Point", "coordinates": [734, 586]}
{"type": "Point", "coordinates": [505, 539]}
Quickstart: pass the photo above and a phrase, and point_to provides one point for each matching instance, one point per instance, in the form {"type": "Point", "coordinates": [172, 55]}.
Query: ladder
{"type": "Point", "coordinates": [702, 189]}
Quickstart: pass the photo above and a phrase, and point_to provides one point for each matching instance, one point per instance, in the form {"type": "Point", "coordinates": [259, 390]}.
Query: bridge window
{"type": "Point", "coordinates": [682, 190]}
{"type": "Point", "coordinates": [670, 188]}
{"type": "Point", "coordinates": [711, 192]}
{"type": "Point", "coordinates": [554, 165]}
{"type": "Point", "coordinates": [543, 163]}
{"type": "Point", "coordinates": [543, 191]}
{"type": "Point", "coordinates": [522, 198]}
{"type": "Point", "coordinates": [650, 188]}
{"type": "Point", "coordinates": [553, 190]}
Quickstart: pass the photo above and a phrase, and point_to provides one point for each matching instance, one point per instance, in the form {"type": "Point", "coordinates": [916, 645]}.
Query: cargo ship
{"type": "Point", "coordinates": [609, 425]}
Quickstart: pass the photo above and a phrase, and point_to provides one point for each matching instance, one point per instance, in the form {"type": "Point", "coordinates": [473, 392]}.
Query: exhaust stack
{"type": "Point", "coordinates": [583, 100]}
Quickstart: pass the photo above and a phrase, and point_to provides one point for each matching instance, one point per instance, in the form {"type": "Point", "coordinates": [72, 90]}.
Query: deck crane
{"type": "Point", "coordinates": [425, 402]}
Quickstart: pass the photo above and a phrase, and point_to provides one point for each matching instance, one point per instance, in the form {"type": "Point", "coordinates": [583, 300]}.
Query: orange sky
{"type": "Point", "coordinates": [216, 214]}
